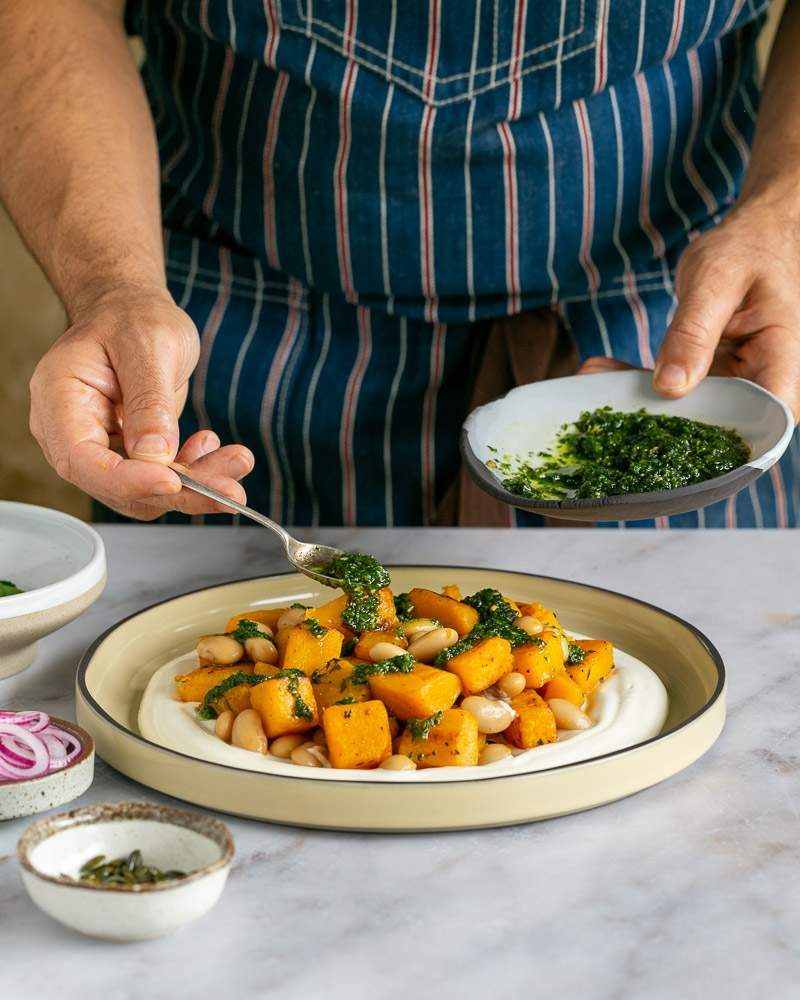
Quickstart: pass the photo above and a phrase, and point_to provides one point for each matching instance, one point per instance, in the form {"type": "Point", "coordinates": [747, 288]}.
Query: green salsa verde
{"type": "Point", "coordinates": [360, 577]}
{"type": "Point", "coordinates": [609, 453]}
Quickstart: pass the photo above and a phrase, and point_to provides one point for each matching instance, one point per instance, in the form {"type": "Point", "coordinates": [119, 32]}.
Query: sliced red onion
{"type": "Point", "coordinates": [31, 746]}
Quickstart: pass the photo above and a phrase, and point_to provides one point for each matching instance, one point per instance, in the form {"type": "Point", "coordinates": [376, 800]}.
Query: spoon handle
{"type": "Point", "coordinates": [207, 491]}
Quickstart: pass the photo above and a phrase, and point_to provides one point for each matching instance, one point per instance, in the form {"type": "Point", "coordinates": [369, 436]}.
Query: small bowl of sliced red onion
{"type": "Point", "coordinates": [44, 762]}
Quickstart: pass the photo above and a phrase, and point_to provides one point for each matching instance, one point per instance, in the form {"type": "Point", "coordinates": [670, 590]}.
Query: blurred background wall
{"type": "Point", "coordinates": [32, 319]}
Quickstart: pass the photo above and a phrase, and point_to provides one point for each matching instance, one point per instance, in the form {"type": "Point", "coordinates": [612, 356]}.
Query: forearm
{"type": "Point", "coordinates": [774, 169]}
{"type": "Point", "coordinates": [79, 170]}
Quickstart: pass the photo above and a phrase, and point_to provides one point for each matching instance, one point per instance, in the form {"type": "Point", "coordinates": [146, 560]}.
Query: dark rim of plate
{"type": "Point", "coordinates": [701, 638]}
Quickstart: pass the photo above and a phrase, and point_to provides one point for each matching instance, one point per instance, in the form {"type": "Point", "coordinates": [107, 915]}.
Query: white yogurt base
{"type": "Point", "coordinates": [629, 707]}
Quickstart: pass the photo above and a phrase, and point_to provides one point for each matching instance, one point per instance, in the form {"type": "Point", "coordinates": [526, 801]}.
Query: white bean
{"type": "Point", "coordinates": [248, 731]}
{"type": "Point", "coordinates": [282, 746]}
{"type": "Point", "coordinates": [512, 684]}
{"type": "Point", "coordinates": [417, 627]}
{"type": "Point", "coordinates": [494, 752]}
{"type": "Point", "coordinates": [221, 649]}
{"type": "Point", "coordinates": [291, 617]}
{"type": "Point", "coordinates": [261, 649]}
{"type": "Point", "coordinates": [398, 762]}
{"type": "Point", "coordinates": [305, 758]}
{"type": "Point", "coordinates": [224, 725]}
{"type": "Point", "coordinates": [567, 715]}
{"type": "Point", "coordinates": [492, 716]}
{"type": "Point", "coordinates": [529, 624]}
{"type": "Point", "coordinates": [385, 651]}
{"type": "Point", "coordinates": [432, 643]}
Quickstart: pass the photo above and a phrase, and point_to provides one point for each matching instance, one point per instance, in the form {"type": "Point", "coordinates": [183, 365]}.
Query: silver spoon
{"type": "Point", "coordinates": [307, 557]}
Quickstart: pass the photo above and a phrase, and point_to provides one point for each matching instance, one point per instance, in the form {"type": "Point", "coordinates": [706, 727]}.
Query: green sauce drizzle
{"type": "Point", "coordinates": [403, 607]}
{"type": "Point", "coordinates": [496, 619]}
{"type": "Point", "coordinates": [360, 577]}
{"type": "Point", "coordinates": [607, 453]}
{"type": "Point", "coordinates": [420, 729]}
{"type": "Point", "coordinates": [206, 709]}
{"type": "Point", "coordinates": [314, 627]}
{"type": "Point", "coordinates": [246, 629]}
{"type": "Point", "coordinates": [395, 665]}
{"type": "Point", "coordinates": [577, 654]}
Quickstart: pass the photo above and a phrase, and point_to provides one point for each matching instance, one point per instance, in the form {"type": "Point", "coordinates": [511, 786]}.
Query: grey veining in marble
{"type": "Point", "coordinates": [690, 890]}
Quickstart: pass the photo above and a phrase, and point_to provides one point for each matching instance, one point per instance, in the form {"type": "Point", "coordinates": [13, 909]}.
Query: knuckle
{"type": "Point", "coordinates": [691, 332]}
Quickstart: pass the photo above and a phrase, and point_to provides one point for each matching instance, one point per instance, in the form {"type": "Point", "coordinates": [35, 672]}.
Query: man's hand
{"type": "Point", "coordinates": [117, 381]}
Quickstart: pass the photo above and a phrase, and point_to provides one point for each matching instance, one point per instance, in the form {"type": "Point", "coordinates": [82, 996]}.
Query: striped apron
{"type": "Point", "coordinates": [352, 191]}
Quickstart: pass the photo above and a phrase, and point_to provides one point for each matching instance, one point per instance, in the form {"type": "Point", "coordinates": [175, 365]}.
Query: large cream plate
{"type": "Point", "coordinates": [116, 669]}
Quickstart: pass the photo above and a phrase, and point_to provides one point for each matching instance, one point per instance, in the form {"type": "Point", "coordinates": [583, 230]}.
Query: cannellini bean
{"type": "Point", "coordinates": [564, 648]}
{"type": "Point", "coordinates": [282, 746]}
{"type": "Point", "coordinates": [222, 649]}
{"type": "Point", "coordinates": [567, 715]}
{"type": "Point", "coordinates": [417, 627]}
{"type": "Point", "coordinates": [398, 762]}
{"type": "Point", "coordinates": [305, 757]}
{"type": "Point", "coordinates": [261, 650]}
{"type": "Point", "coordinates": [494, 752]}
{"type": "Point", "coordinates": [248, 732]}
{"type": "Point", "coordinates": [385, 651]}
{"type": "Point", "coordinates": [224, 725]}
{"type": "Point", "coordinates": [432, 643]}
{"type": "Point", "coordinates": [291, 617]}
{"type": "Point", "coordinates": [529, 624]}
{"type": "Point", "coordinates": [492, 716]}
{"type": "Point", "coordinates": [321, 754]}
{"type": "Point", "coordinates": [512, 684]}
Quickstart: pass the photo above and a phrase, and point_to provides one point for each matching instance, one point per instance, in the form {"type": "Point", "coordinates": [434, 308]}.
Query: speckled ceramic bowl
{"type": "Point", "coordinates": [60, 564]}
{"type": "Point", "coordinates": [23, 798]}
{"type": "Point", "coordinates": [51, 852]}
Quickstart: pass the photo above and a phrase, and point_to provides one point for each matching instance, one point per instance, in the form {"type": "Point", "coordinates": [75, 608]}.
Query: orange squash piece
{"type": "Point", "coordinates": [453, 590]}
{"type": "Point", "coordinates": [334, 681]}
{"type": "Point", "coordinates": [540, 612]}
{"type": "Point", "coordinates": [372, 637]}
{"type": "Point", "coordinates": [454, 742]}
{"type": "Point", "coordinates": [387, 613]}
{"type": "Point", "coordinates": [540, 663]}
{"type": "Point", "coordinates": [479, 667]}
{"type": "Point", "coordinates": [300, 648]}
{"type": "Point", "coordinates": [195, 685]}
{"type": "Point", "coordinates": [276, 702]}
{"type": "Point", "coordinates": [452, 614]}
{"type": "Point", "coordinates": [357, 735]}
{"type": "Point", "coordinates": [534, 723]}
{"type": "Point", "coordinates": [418, 694]}
{"type": "Point", "coordinates": [330, 615]}
{"type": "Point", "coordinates": [597, 664]}
{"type": "Point", "coordinates": [565, 688]}
{"type": "Point", "coordinates": [266, 616]}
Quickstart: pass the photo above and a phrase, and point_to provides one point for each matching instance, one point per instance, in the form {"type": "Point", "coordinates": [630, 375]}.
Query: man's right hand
{"type": "Point", "coordinates": [105, 402]}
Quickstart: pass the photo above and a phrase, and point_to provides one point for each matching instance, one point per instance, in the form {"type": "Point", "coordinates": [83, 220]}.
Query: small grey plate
{"type": "Point", "coordinates": [528, 418]}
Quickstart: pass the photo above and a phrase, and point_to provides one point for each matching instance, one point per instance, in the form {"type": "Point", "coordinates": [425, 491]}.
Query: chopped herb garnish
{"type": "Point", "coordinates": [361, 612]}
{"type": "Point", "coordinates": [206, 708]}
{"type": "Point", "coordinates": [349, 700]}
{"type": "Point", "coordinates": [349, 647]}
{"type": "Point", "coordinates": [245, 629]}
{"type": "Point", "coordinates": [360, 577]}
{"type": "Point", "coordinates": [420, 728]}
{"type": "Point", "coordinates": [314, 627]}
{"type": "Point", "coordinates": [403, 607]}
{"type": "Point", "coordinates": [293, 675]}
{"type": "Point", "coordinates": [496, 620]}
{"type": "Point", "coordinates": [576, 654]}
{"type": "Point", "coordinates": [401, 664]}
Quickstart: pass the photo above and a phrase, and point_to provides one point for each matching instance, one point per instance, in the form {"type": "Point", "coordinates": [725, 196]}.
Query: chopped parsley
{"type": "Point", "coordinates": [314, 627]}
{"type": "Point", "coordinates": [349, 700]}
{"type": "Point", "coordinates": [349, 647]}
{"type": "Point", "coordinates": [206, 708]}
{"type": "Point", "coordinates": [394, 665]}
{"type": "Point", "coordinates": [576, 654]}
{"type": "Point", "coordinates": [360, 577]}
{"type": "Point", "coordinates": [245, 629]}
{"type": "Point", "coordinates": [293, 675]}
{"type": "Point", "coordinates": [361, 612]}
{"type": "Point", "coordinates": [496, 620]}
{"type": "Point", "coordinates": [420, 729]}
{"type": "Point", "coordinates": [608, 453]}
{"type": "Point", "coordinates": [403, 607]}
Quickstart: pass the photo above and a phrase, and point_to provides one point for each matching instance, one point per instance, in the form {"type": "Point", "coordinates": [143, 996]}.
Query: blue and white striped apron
{"type": "Point", "coordinates": [352, 190]}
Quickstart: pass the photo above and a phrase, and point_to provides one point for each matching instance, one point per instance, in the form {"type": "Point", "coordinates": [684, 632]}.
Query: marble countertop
{"type": "Point", "coordinates": [690, 889]}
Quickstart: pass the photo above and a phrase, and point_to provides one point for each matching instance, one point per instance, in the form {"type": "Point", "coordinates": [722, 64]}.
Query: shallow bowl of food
{"type": "Point", "coordinates": [57, 784]}
{"type": "Point", "coordinates": [662, 709]}
{"type": "Point", "coordinates": [527, 420]}
{"type": "Point", "coordinates": [53, 567]}
{"type": "Point", "coordinates": [193, 851]}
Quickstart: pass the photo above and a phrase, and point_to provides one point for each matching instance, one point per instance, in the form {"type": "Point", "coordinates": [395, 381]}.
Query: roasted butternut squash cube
{"type": "Point", "coordinates": [195, 686]}
{"type": "Point", "coordinates": [330, 615]}
{"type": "Point", "coordinates": [285, 705]}
{"type": "Point", "coordinates": [371, 638]}
{"type": "Point", "coordinates": [300, 648]}
{"type": "Point", "coordinates": [387, 613]}
{"type": "Point", "coordinates": [453, 590]}
{"type": "Point", "coordinates": [597, 664]}
{"type": "Point", "coordinates": [334, 681]}
{"type": "Point", "coordinates": [478, 668]}
{"type": "Point", "coordinates": [540, 661]}
{"type": "Point", "coordinates": [266, 616]}
{"type": "Point", "coordinates": [454, 742]}
{"type": "Point", "coordinates": [452, 614]}
{"type": "Point", "coordinates": [540, 612]}
{"type": "Point", "coordinates": [418, 694]}
{"type": "Point", "coordinates": [565, 688]}
{"type": "Point", "coordinates": [236, 699]}
{"type": "Point", "coordinates": [534, 723]}
{"type": "Point", "coordinates": [357, 735]}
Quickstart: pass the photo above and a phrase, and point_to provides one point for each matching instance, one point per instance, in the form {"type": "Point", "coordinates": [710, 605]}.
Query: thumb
{"type": "Point", "coordinates": [149, 405]}
{"type": "Point", "coordinates": [706, 302]}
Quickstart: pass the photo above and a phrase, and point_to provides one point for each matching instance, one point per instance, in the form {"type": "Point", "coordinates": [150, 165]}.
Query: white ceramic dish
{"type": "Point", "coordinates": [23, 798]}
{"type": "Point", "coordinates": [51, 852]}
{"type": "Point", "coordinates": [528, 418]}
{"type": "Point", "coordinates": [60, 564]}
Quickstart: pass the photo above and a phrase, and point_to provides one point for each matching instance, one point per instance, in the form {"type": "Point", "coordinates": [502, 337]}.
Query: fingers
{"type": "Point", "coordinates": [194, 447]}
{"type": "Point", "coordinates": [233, 461]}
{"type": "Point", "coordinates": [599, 363]}
{"type": "Point", "coordinates": [149, 411]}
{"type": "Point", "coordinates": [708, 296]}
{"type": "Point", "coordinates": [772, 359]}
